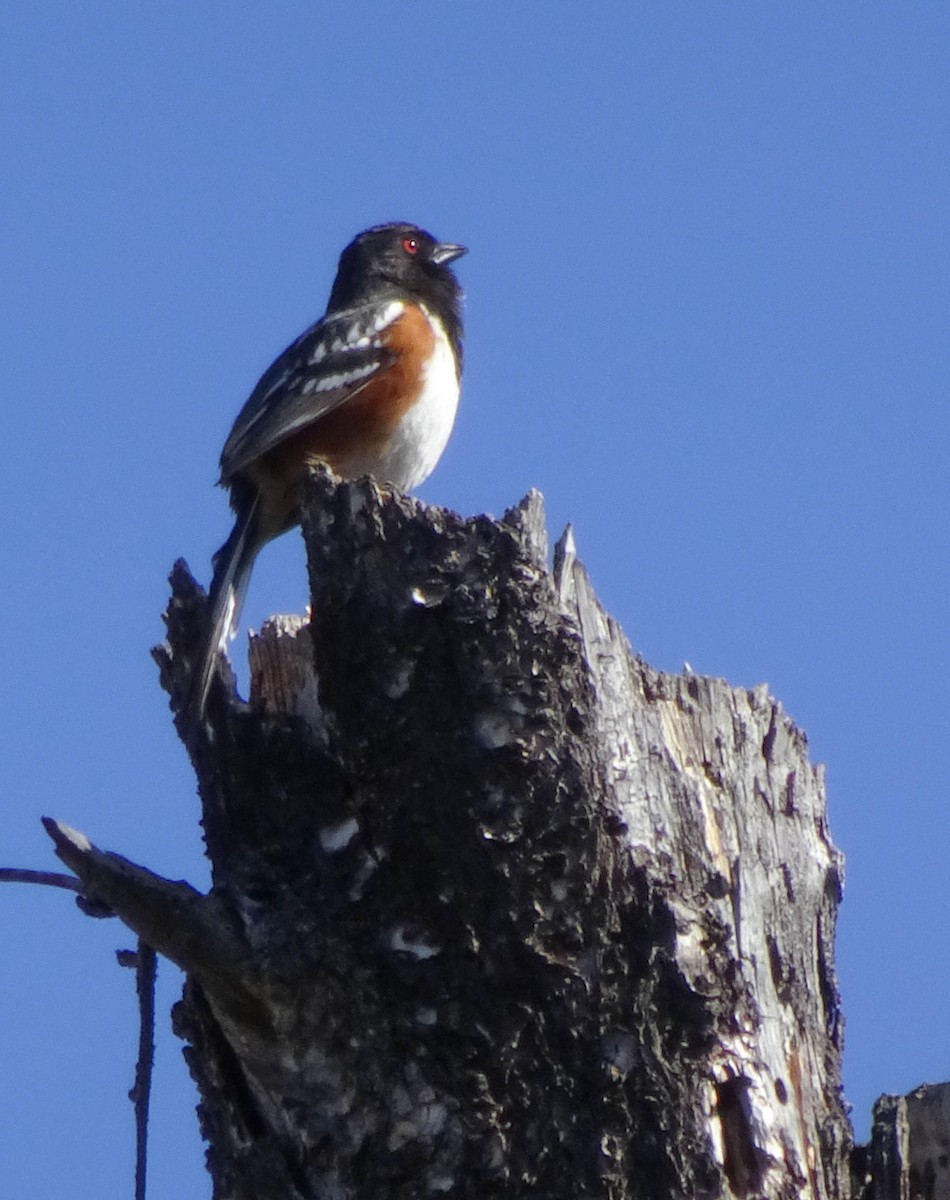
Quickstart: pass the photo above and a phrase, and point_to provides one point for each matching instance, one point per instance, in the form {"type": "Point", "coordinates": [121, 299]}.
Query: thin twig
{"type": "Point", "coordinates": [146, 965]}
{"type": "Point", "coordinates": [91, 907]}
{"type": "Point", "coordinates": [49, 878]}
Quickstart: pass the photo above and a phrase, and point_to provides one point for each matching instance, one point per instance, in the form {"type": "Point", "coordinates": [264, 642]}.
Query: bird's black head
{"type": "Point", "coordinates": [401, 258]}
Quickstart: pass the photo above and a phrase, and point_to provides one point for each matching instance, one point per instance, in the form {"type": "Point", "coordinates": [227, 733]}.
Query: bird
{"type": "Point", "coordinates": [371, 388]}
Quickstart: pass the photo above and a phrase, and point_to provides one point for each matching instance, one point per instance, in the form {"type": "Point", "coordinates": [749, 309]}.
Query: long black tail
{"type": "Point", "coordinates": [232, 573]}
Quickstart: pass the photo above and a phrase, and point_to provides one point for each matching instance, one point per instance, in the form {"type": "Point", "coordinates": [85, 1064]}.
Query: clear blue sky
{"type": "Point", "coordinates": [708, 297]}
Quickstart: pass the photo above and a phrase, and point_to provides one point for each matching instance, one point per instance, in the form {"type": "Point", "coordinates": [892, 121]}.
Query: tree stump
{"type": "Point", "coordinates": [497, 909]}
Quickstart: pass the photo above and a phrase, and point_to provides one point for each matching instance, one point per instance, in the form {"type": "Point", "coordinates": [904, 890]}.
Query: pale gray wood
{"type": "Point", "coordinates": [728, 816]}
{"type": "Point", "coordinates": [908, 1157]}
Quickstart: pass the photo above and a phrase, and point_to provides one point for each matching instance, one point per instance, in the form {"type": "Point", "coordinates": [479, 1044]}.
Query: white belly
{"type": "Point", "coordinates": [417, 444]}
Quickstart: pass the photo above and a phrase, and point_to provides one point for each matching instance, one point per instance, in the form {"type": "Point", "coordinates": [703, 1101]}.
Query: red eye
{"type": "Point", "coordinates": [410, 245]}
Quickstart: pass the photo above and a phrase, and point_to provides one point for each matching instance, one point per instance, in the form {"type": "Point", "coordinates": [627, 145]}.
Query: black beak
{"type": "Point", "coordinates": [446, 252]}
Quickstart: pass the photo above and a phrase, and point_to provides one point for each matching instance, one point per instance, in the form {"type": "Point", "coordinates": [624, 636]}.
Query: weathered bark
{"type": "Point", "coordinates": [498, 910]}
{"type": "Point", "coordinates": [908, 1157]}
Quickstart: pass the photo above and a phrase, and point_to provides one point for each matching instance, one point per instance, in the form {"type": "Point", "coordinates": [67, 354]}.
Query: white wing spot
{"type": "Point", "coordinates": [330, 383]}
{"type": "Point", "coordinates": [273, 390]}
{"type": "Point", "coordinates": [386, 316]}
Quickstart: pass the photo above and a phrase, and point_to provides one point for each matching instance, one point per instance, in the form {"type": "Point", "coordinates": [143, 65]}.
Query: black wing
{"type": "Point", "coordinates": [328, 364]}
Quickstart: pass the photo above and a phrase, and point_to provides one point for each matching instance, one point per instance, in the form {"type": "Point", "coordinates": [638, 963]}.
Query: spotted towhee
{"type": "Point", "coordinates": [370, 389]}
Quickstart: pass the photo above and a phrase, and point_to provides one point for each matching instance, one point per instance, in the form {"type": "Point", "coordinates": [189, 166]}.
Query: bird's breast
{"type": "Point", "coordinates": [420, 435]}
